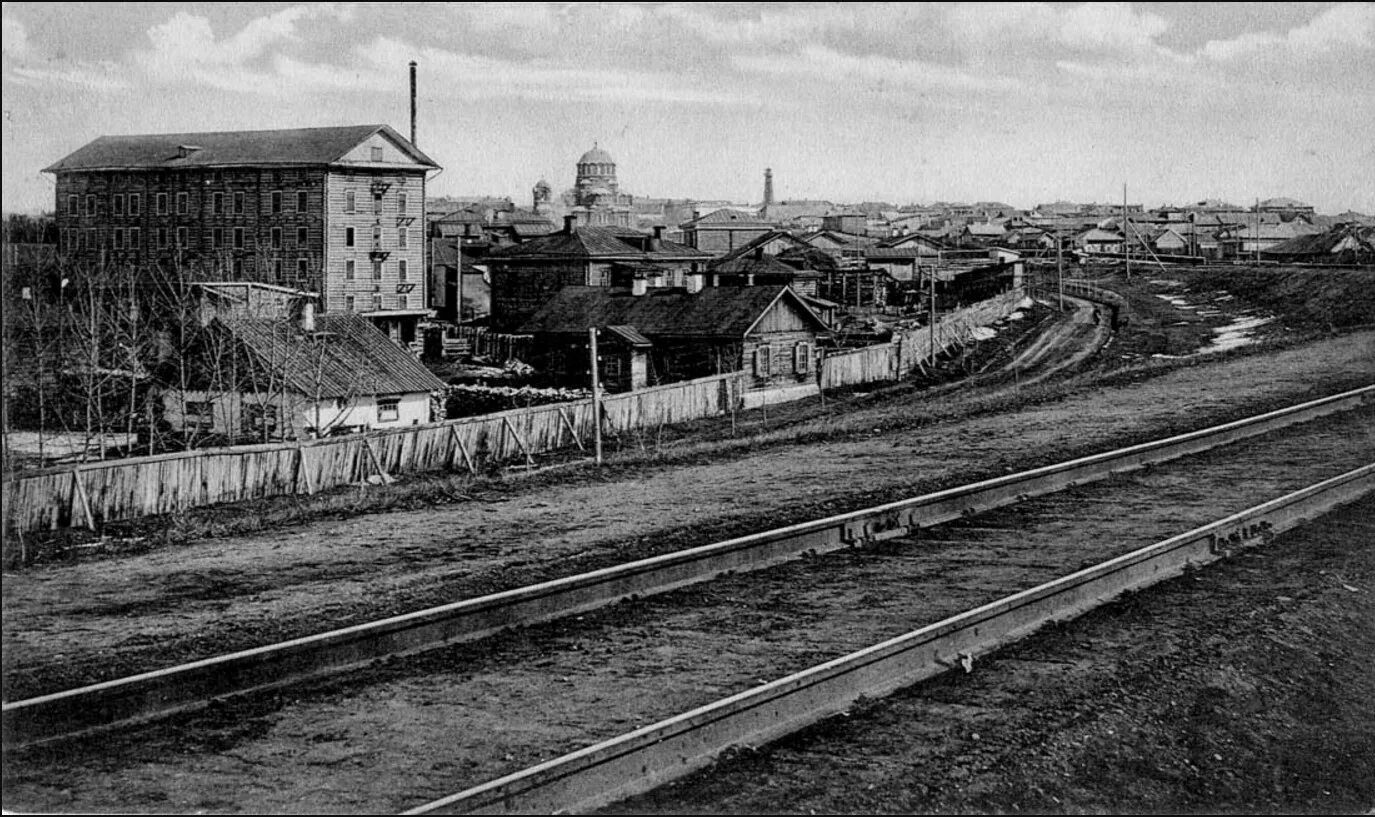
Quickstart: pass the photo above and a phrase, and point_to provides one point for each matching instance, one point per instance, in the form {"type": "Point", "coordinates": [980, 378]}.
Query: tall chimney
{"type": "Point", "coordinates": [413, 142]}
{"type": "Point", "coordinates": [768, 186]}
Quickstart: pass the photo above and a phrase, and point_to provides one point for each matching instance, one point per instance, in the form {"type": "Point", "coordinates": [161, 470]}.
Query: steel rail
{"type": "Point", "coordinates": [653, 755]}
{"type": "Point", "coordinates": [192, 685]}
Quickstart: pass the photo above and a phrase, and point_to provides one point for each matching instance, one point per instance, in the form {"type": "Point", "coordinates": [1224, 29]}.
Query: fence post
{"type": "Point", "coordinates": [376, 463]}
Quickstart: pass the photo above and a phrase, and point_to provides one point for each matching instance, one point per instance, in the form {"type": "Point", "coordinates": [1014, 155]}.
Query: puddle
{"type": "Point", "coordinates": [983, 333]}
{"type": "Point", "coordinates": [1237, 333]}
{"type": "Point", "coordinates": [1177, 302]}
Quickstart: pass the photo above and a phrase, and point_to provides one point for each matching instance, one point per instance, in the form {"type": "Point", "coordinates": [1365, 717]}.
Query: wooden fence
{"type": "Point", "coordinates": [897, 358]}
{"type": "Point", "coordinates": [96, 492]}
{"type": "Point", "coordinates": [495, 345]}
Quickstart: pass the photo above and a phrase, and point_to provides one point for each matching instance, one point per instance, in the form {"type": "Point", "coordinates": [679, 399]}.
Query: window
{"type": "Point", "coordinates": [377, 204]}
{"type": "Point", "coordinates": [200, 414]}
{"type": "Point", "coordinates": [238, 238]}
{"type": "Point", "coordinates": [217, 206]}
{"type": "Point", "coordinates": [71, 204]}
{"type": "Point", "coordinates": [238, 269]}
{"type": "Point", "coordinates": [376, 153]}
{"type": "Point", "coordinates": [802, 358]}
{"type": "Point", "coordinates": [135, 239]}
{"type": "Point", "coordinates": [183, 203]}
{"type": "Point", "coordinates": [401, 203]}
{"type": "Point", "coordinates": [348, 236]}
{"type": "Point", "coordinates": [238, 203]}
{"type": "Point", "coordinates": [302, 237]}
{"type": "Point", "coordinates": [302, 201]}
{"type": "Point", "coordinates": [162, 237]}
{"type": "Point", "coordinates": [348, 270]}
{"type": "Point", "coordinates": [119, 238]}
{"type": "Point", "coordinates": [402, 238]}
{"type": "Point", "coordinates": [348, 302]}
{"type": "Point", "coordinates": [377, 302]}
{"type": "Point", "coordinates": [217, 238]}
{"type": "Point", "coordinates": [377, 270]}
{"type": "Point", "coordinates": [401, 269]}
{"type": "Point", "coordinates": [90, 238]}
{"type": "Point", "coordinates": [277, 269]}
{"type": "Point", "coordinates": [276, 201]}
{"type": "Point", "coordinates": [276, 238]}
{"type": "Point", "coordinates": [302, 268]}
{"type": "Point", "coordinates": [118, 208]}
{"type": "Point", "coordinates": [377, 235]}
{"type": "Point", "coordinates": [401, 301]}
{"type": "Point", "coordinates": [350, 202]}
{"type": "Point", "coordinates": [260, 419]}
{"type": "Point", "coordinates": [162, 204]}
{"type": "Point", "coordinates": [181, 238]}
{"type": "Point", "coordinates": [761, 360]}
{"type": "Point", "coordinates": [90, 205]}
{"type": "Point", "coordinates": [135, 204]}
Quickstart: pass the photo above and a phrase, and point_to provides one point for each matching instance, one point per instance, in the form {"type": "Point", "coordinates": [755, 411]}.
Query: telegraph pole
{"type": "Point", "coordinates": [1060, 268]}
{"type": "Point", "coordinates": [596, 393]}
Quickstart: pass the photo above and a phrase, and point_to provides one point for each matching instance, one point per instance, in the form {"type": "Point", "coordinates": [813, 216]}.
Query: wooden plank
{"type": "Point", "coordinates": [303, 471]}
{"type": "Point", "coordinates": [567, 423]}
{"type": "Point", "coordinates": [462, 449]}
{"type": "Point", "coordinates": [79, 493]}
{"type": "Point", "coordinates": [529, 461]}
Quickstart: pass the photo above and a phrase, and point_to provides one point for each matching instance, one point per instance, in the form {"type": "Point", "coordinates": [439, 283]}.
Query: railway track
{"type": "Point", "coordinates": [488, 712]}
{"type": "Point", "coordinates": [195, 685]}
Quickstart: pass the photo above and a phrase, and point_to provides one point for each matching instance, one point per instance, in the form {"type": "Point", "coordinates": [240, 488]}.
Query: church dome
{"type": "Point", "coordinates": [596, 156]}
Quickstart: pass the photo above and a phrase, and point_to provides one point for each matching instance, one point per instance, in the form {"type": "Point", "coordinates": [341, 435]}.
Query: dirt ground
{"type": "Point", "coordinates": [1246, 688]}
{"type": "Point", "coordinates": [89, 619]}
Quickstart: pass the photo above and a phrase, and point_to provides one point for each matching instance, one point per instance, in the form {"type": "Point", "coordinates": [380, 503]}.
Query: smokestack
{"type": "Point", "coordinates": [768, 186]}
{"type": "Point", "coordinates": [413, 142]}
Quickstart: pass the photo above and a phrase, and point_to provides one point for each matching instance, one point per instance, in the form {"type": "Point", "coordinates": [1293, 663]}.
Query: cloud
{"type": "Point", "coordinates": [15, 38]}
{"type": "Point", "coordinates": [1347, 26]}
{"type": "Point", "coordinates": [26, 64]}
{"type": "Point", "coordinates": [821, 63]}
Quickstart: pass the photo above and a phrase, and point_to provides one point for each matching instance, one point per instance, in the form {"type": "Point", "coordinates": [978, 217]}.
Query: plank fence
{"type": "Point", "coordinates": [93, 493]}
{"type": "Point", "coordinates": [907, 350]}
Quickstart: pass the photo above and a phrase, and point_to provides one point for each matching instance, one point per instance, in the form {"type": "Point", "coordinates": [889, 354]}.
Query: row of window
{"type": "Point", "coordinates": [351, 270]}
{"type": "Point", "coordinates": [379, 302]}
{"type": "Point", "coordinates": [131, 238]}
{"type": "Point", "coordinates": [220, 203]}
{"type": "Point", "coordinates": [265, 417]}
{"type": "Point", "coordinates": [403, 237]}
{"type": "Point", "coordinates": [763, 359]}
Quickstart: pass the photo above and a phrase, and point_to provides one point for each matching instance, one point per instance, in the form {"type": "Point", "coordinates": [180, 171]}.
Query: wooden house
{"type": "Point", "coordinates": [258, 379]}
{"type": "Point", "coordinates": [650, 336]}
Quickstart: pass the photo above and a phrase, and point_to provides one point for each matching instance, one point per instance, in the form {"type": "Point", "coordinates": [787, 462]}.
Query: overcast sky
{"type": "Point", "coordinates": [1021, 103]}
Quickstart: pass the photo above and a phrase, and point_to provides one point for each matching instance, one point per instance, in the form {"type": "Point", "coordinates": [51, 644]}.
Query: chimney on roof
{"type": "Point", "coordinates": [696, 214]}
{"type": "Point", "coordinates": [639, 285]}
{"type": "Point", "coordinates": [568, 223]}
{"type": "Point", "coordinates": [308, 316]}
{"type": "Point", "coordinates": [656, 243]}
{"type": "Point", "coordinates": [768, 186]}
{"type": "Point", "coordinates": [413, 142]}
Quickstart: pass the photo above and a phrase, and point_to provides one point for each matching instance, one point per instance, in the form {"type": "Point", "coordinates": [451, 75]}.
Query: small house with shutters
{"type": "Point", "coordinates": [650, 336]}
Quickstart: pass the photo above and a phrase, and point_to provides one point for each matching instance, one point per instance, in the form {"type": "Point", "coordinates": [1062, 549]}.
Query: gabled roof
{"type": "Point", "coordinates": [715, 312]}
{"type": "Point", "coordinates": [347, 356]}
{"type": "Point", "coordinates": [597, 243]}
{"type": "Point", "coordinates": [163, 151]}
{"type": "Point", "coordinates": [1333, 241]}
{"type": "Point", "coordinates": [762, 264]}
{"type": "Point", "coordinates": [749, 247]}
{"type": "Point", "coordinates": [726, 217]}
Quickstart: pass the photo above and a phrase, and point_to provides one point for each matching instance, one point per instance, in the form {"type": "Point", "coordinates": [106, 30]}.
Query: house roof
{"type": "Point", "coordinates": [987, 229]}
{"type": "Point", "coordinates": [758, 241]}
{"type": "Point", "coordinates": [346, 357]}
{"type": "Point", "coordinates": [1332, 241]}
{"type": "Point", "coordinates": [717, 312]}
{"type": "Point", "coordinates": [162, 151]}
{"type": "Point", "coordinates": [750, 264]}
{"type": "Point", "coordinates": [596, 243]}
{"type": "Point", "coordinates": [726, 217]}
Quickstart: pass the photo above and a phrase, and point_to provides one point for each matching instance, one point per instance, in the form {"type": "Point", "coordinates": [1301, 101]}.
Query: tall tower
{"type": "Point", "coordinates": [768, 186]}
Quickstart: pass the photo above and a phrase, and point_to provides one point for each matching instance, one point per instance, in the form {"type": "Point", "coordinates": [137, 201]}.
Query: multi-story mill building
{"type": "Point", "coordinates": [338, 210]}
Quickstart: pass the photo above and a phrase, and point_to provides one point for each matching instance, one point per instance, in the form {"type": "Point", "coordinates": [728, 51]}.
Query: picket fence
{"type": "Point", "coordinates": [92, 493]}
{"type": "Point", "coordinates": [907, 350]}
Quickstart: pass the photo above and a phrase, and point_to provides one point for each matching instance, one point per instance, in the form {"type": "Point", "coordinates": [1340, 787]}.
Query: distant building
{"type": "Point", "coordinates": [338, 210]}
{"type": "Point", "coordinates": [722, 231]}
{"type": "Point", "coordinates": [596, 199]}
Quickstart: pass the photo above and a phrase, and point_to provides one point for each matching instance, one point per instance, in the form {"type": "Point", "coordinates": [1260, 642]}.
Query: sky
{"type": "Point", "coordinates": [848, 102]}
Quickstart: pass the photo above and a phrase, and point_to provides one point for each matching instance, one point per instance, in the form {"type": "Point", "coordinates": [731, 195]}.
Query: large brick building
{"type": "Point", "coordinates": [339, 211]}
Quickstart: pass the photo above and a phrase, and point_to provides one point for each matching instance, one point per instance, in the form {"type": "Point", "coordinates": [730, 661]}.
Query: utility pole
{"type": "Point", "coordinates": [596, 393]}
{"type": "Point", "coordinates": [1126, 243]}
{"type": "Point", "coordinates": [933, 317]}
{"type": "Point", "coordinates": [1060, 268]}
